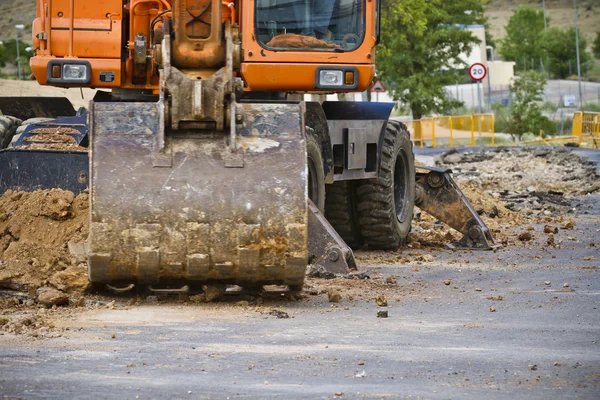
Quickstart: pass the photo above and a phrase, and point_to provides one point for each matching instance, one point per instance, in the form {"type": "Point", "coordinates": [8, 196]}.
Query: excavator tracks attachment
{"type": "Point", "coordinates": [196, 209]}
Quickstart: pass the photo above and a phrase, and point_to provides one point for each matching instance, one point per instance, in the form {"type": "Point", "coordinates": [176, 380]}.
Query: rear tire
{"type": "Point", "coordinates": [340, 211]}
{"type": "Point", "coordinates": [316, 173]}
{"type": "Point", "coordinates": [385, 205]}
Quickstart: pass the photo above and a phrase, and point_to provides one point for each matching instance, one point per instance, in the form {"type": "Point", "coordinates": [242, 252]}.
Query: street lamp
{"type": "Point", "coordinates": [577, 52]}
{"type": "Point", "coordinates": [17, 28]}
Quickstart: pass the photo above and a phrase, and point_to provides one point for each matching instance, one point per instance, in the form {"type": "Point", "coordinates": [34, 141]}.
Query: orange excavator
{"type": "Point", "coordinates": [203, 163]}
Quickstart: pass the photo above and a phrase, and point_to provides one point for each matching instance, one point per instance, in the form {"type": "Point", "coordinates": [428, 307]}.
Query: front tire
{"type": "Point", "coordinates": [316, 173]}
{"type": "Point", "coordinates": [385, 205]}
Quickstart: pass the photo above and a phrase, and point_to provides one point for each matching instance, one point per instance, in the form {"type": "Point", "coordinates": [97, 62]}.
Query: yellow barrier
{"type": "Point", "coordinates": [450, 130]}
{"type": "Point", "coordinates": [586, 128]}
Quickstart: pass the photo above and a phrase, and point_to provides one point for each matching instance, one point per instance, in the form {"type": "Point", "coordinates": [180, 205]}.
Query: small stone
{"type": "Point", "coordinates": [525, 237]}
{"type": "Point", "coordinates": [557, 364]}
{"type": "Point", "coordinates": [113, 336]}
{"type": "Point", "coordinates": [381, 301]}
{"type": "Point", "coordinates": [534, 367]}
{"type": "Point", "coordinates": [447, 282]}
{"type": "Point", "coordinates": [547, 283]}
{"type": "Point", "coordinates": [152, 299]}
{"type": "Point", "coordinates": [550, 229]}
{"type": "Point", "coordinates": [338, 394]}
{"type": "Point", "coordinates": [566, 285]}
{"type": "Point", "coordinates": [478, 289]}
{"type": "Point", "coordinates": [52, 297]}
{"type": "Point", "coordinates": [550, 241]}
{"type": "Point", "coordinates": [361, 363]}
{"type": "Point", "coordinates": [334, 295]}
{"type": "Point", "coordinates": [382, 314]}
{"type": "Point", "coordinates": [243, 303]}
{"type": "Point", "coordinates": [492, 309]}
{"type": "Point", "coordinates": [390, 280]}
{"type": "Point", "coordinates": [568, 224]}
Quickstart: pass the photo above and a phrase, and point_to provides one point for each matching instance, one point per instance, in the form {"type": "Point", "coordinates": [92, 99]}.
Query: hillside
{"type": "Point", "coordinates": [560, 13]}
{"type": "Point", "coordinates": [498, 11]}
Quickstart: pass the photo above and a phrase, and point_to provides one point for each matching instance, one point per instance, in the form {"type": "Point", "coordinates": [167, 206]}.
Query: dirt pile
{"type": "Point", "coordinates": [35, 229]}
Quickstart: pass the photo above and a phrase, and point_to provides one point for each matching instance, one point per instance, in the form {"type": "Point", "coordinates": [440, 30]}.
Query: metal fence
{"type": "Point", "coordinates": [466, 130]}
{"type": "Point", "coordinates": [586, 128]}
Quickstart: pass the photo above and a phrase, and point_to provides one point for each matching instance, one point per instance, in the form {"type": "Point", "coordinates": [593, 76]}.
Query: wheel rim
{"type": "Point", "coordinates": [401, 186]}
{"type": "Point", "coordinates": [313, 185]}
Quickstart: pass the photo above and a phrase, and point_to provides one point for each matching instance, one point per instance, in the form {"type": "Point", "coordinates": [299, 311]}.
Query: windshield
{"type": "Point", "coordinates": [325, 25]}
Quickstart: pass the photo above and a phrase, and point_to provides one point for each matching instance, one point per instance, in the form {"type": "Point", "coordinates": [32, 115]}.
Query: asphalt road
{"type": "Point", "coordinates": [440, 341]}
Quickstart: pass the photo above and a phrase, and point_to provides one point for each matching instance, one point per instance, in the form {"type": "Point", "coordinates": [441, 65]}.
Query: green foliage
{"type": "Point", "coordinates": [8, 52]}
{"type": "Point", "coordinates": [524, 36]}
{"type": "Point", "coordinates": [591, 107]}
{"type": "Point", "coordinates": [561, 51]}
{"type": "Point", "coordinates": [596, 46]}
{"type": "Point", "coordinates": [420, 48]}
{"type": "Point", "coordinates": [525, 114]}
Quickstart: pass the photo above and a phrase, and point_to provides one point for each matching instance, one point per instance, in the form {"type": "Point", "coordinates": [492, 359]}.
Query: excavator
{"type": "Point", "coordinates": [203, 161]}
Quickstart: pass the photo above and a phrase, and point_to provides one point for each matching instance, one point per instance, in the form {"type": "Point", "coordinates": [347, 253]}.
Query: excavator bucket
{"type": "Point", "coordinates": [194, 210]}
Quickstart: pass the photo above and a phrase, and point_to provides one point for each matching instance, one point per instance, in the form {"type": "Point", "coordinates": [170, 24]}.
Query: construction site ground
{"type": "Point", "coordinates": [518, 322]}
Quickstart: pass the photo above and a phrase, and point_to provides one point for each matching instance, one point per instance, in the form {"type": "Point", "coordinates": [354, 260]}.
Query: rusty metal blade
{"type": "Point", "coordinates": [438, 195]}
{"type": "Point", "coordinates": [200, 217]}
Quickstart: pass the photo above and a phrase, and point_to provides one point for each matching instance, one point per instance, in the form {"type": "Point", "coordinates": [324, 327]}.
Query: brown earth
{"type": "Point", "coordinates": [35, 229]}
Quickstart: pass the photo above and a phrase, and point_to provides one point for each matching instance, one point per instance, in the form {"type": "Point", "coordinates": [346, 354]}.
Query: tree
{"type": "Point", "coordinates": [525, 114]}
{"type": "Point", "coordinates": [562, 52]}
{"type": "Point", "coordinates": [524, 36]}
{"type": "Point", "coordinates": [596, 46]}
{"type": "Point", "coordinates": [421, 44]}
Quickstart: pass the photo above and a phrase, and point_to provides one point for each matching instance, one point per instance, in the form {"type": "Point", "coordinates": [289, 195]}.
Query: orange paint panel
{"type": "Point", "coordinates": [39, 67]}
{"type": "Point", "coordinates": [295, 76]}
{"type": "Point", "coordinates": [91, 39]}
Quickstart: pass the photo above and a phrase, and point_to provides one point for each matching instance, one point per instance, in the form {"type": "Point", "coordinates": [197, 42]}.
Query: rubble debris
{"type": "Point", "coordinates": [447, 282]}
{"type": "Point", "coordinates": [492, 309]}
{"type": "Point", "coordinates": [525, 236]}
{"type": "Point", "coordinates": [278, 313]}
{"type": "Point", "coordinates": [382, 314]}
{"type": "Point", "coordinates": [51, 297]}
{"type": "Point", "coordinates": [381, 301]}
{"type": "Point", "coordinates": [550, 229]}
{"type": "Point", "coordinates": [334, 295]}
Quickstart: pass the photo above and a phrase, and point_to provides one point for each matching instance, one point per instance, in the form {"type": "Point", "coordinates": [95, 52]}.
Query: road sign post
{"type": "Point", "coordinates": [377, 88]}
{"type": "Point", "coordinates": [478, 72]}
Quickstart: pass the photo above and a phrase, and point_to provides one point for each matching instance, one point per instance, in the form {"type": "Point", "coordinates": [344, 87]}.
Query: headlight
{"type": "Point", "coordinates": [329, 78]}
{"type": "Point", "coordinates": [69, 71]}
{"type": "Point", "coordinates": [75, 72]}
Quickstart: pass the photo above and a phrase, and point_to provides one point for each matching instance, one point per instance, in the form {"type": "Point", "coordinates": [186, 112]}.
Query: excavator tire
{"type": "Point", "coordinates": [340, 211]}
{"type": "Point", "coordinates": [316, 173]}
{"type": "Point", "coordinates": [385, 205]}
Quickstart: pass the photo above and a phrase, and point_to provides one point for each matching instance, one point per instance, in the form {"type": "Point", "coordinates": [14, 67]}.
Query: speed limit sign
{"type": "Point", "coordinates": [477, 71]}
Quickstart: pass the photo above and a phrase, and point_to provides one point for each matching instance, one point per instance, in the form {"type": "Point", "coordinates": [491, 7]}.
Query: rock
{"type": "Point", "coordinates": [550, 240]}
{"type": "Point", "coordinates": [334, 295]}
{"type": "Point", "coordinates": [51, 297]}
{"type": "Point", "coordinates": [390, 281]}
{"type": "Point", "coordinates": [243, 303]}
{"type": "Point", "coordinates": [71, 280]}
{"type": "Point", "coordinates": [557, 364]}
{"type": "Point", "coordinates": [210, 293]}
{"type": "Point", "coordinates": [381, 301]}
{"type": "Point", "coordinates": [550, 229]}
{"type": "Point", "coordinates": [566, 285]}
{"type": "Point", "coordinates": [525, 237]}
{"type": "Point", "coordinates": [447, 282]}
{"type": "Point", "coordinates": [152, 299]}
{"type": "Point", "coordinates": [382, 314]}
{"type": "Point", "coordinates": [547, 283]}
{"type": "Point", "coordinates": [568, 224]}
{"type": "Point", "coordinates": [492, 309]}
{"type": "Point", "coordinates": [3, 321]}
{"type": "Point", "coordinates": [534, 367]}
{"type": "Point", "coordinates": [279, 314]}
{"type": "Point", "coordinates": [360, 362]}
{"type": "Point", "coordinates": [455, 158]}
{"type": "Point", "coordinates": [339, 394]}
{"type": "Point", "coordinates": [494, 212]}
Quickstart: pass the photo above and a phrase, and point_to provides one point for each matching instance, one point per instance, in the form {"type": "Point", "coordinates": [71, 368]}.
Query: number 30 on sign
{"type": "Point", "coordinates": [477, 71]}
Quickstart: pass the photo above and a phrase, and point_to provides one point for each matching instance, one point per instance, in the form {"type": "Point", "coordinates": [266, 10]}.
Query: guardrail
{"type": "Point", "coordinates": [586, 129]}
{"type": "Point", "coordinates": [465, 130]}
